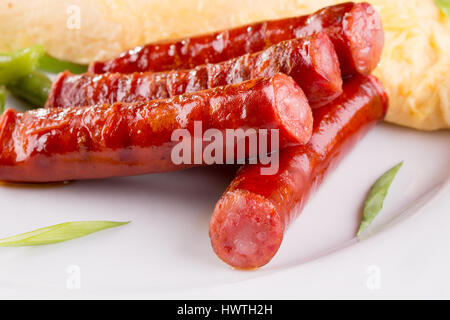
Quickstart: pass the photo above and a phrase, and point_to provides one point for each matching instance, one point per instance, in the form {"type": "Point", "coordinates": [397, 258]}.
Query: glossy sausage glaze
{"type": "Point", "coordinates": [250, 219]}
{"type": "Point", "coordinates": [355, 30]}
{"type": "Point", "coordinates": [311, 61]}
{"type": "Point", "coordinates": [47, 145]}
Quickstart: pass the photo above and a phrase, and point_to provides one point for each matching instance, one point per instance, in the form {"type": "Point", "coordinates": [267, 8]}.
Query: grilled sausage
{"type": "Point", "coordinates": [250, 219]}
{"type": "Point", "coordinates": [311, 61]}
{"type": "Point", "coordinates": [101, 141]}
{"type": "Point", "coordinates": [355, 30]}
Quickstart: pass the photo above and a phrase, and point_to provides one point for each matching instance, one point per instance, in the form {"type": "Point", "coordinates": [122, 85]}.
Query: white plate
{"type": "Point", "coordinates": [165, 251]}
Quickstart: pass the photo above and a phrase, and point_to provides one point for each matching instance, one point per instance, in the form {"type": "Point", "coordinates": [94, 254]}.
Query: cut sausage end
{"type": "Point", "coordinates": [7, 125]}
{"type": "Point", "coordinates": [364, 31]}
{"type": "Point", "coordinates": [328, 84]}
{"type": "Point", "coordinates": [245, 230]}
{"type": "Point", "coordinates": [293, 109]}
{"type": "Point", "coordinates": [55, 90]}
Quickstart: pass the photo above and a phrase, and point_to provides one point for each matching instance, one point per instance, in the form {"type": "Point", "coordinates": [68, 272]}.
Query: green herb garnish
{"type": "Point", "coordinates": [444, 5]}
{"type": "Point", "coordinates": [375, 199]}
{"type": "Point", "coordinates": [58, 233]}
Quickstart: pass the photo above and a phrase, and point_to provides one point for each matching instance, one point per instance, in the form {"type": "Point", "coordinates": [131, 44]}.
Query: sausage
{"type": "Point", "coordinates": [311, 61]}
{"type": "Point", "coordinates": [355, 30]}
{"type": "Point", "coordinates": [49, 145]}
{"type": "Point", "coordinates": [248, 223]}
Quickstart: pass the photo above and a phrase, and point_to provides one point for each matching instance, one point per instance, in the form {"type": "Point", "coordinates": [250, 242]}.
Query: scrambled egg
{"type": "Point", "coordinates": [415, 66]}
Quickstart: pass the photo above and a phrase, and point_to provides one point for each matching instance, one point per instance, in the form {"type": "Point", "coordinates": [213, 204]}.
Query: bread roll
{"type": "Point", "coordinates": [415, 66]}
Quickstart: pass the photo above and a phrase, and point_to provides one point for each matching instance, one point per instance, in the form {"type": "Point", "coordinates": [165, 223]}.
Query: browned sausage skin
{"type": "Point", "coordinates": [250, 219]}
{"type": "Point", "coordinates": [355, 30]}
{"type": "Point", "coordinates": [311, 61]}
{"type": "Point", "coordinates": [48, 145]}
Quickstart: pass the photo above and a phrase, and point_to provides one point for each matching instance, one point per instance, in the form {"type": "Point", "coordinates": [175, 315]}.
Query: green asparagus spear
{"type": "Point", "coordinates": [50, 64]}
{"type": "Point", "coordinates": [2, 100]}
{"type": "Point", "coordinates": [33, 88]}
{"type": "Point", "coordinates": [18, 73]}
{"type": "Point", "coordinates": [18, 64]}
